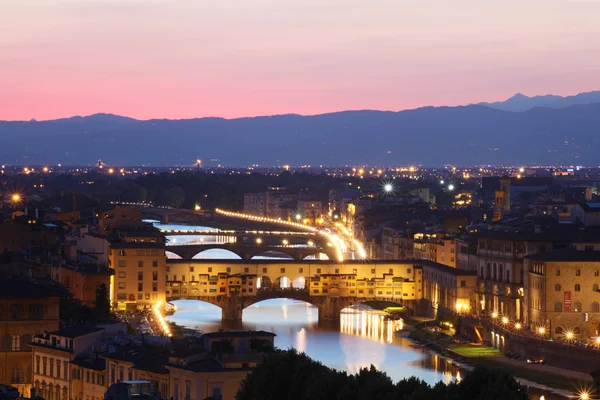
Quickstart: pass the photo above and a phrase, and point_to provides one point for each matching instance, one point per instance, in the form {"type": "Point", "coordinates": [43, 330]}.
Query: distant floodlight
{"type": "Point", "coordinates": [388, 188]}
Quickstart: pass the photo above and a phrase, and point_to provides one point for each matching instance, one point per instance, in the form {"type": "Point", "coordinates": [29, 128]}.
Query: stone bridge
{"type": "Point", "coordinates": [247, 251]}
{"type": "Point", "coordinates": [232, 306]}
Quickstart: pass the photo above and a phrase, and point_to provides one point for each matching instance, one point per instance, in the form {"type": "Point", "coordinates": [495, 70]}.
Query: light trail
{"type": "Point", "coordinates": [335, 240]}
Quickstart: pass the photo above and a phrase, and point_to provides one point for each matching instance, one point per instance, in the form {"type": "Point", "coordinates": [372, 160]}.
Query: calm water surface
{"type": "Point", "coordinates": [360, 339]}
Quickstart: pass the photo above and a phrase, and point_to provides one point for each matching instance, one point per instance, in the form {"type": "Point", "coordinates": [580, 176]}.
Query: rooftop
{"type": "Point", "coordinates": [566, 255]}
{"type": "Point", "coordinates": [74, 331]}
{"type": "Point", "coordinates": [97, 364]}
{"type": "Point", "coordinates": [444, 268]}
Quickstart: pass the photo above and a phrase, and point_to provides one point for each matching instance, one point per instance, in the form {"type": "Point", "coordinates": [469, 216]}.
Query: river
{"type": "Point", "coordinates": [361, 338]}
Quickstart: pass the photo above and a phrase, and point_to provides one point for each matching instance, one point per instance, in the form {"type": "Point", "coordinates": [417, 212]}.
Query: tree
{"type": "Point", "coordinates": [293, 376]}
{"type": "Point", "coordinates": [102, 304]}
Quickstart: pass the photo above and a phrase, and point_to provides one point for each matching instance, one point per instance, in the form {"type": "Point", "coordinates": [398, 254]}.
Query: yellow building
{"type": "Point", "coordinates": [52, 354]}
{"type": "Point", "coordinates": [88, 380]}
{"type": "Point", "coordinates": [198, 375]}
{"type": "Point", "coordinates": [27, 308]}
{"type": "Point", "coordinates": [204, 278]}
{"type": "Point", "coordinates": [446, 251]}
{"type": "Point", "coordinates": [563, 293]}
{"type": "Point", "coordinates": [140, 267]}
{"type": "Point", "coordinates": [449, 289]}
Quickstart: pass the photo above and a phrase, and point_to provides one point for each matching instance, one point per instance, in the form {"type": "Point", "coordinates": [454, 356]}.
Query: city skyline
{"type": "Point", "coordinates": [197, 60]}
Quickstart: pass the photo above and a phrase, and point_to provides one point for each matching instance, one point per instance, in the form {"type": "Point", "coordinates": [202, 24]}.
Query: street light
{"type": "Point", "coordinates": [494, 315]}
{"type": "Point", "coordinates": [569, 335]}
{"type": "Point", "coordinates": [505, 320]}
{"type": "Point", "coordinates": [16, 198]}
{"type": "Point", "coordinates": [258, 240]}
{"type": "Point", "coordinates": [197, 207]}
{"type": "Point", "coordinates": [310, 243]}
{"type": "Point", "coordinates": [285, 242]}
{"type": "Point", "coordinates": [450, 187]}
{"type": "Point", "coordinates": [584, 395]}
{"type": "Point", "coordinates": [388, 188]}
{"type": "Point", "coordinates": [298, 217]}
{"type": "Point", "coordinates": [518, 326]}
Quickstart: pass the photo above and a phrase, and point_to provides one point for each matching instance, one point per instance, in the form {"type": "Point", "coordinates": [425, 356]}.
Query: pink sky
{"type": "Point", "coordinates": [232, 58]}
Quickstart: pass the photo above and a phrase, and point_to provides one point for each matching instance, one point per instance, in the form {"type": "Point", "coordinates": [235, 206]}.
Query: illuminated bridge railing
{"type": "Point", "coordinates": [232, 233]}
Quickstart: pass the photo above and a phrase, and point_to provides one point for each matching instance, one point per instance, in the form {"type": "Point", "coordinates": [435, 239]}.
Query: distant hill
{"type": "Point", "coordinates": [429, 136]}
{"type": "Point", "coordinates": [520, 102]}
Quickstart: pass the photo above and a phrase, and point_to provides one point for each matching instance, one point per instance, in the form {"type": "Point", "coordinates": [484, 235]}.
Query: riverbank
{"type": "Point", "coordinates": [560, 381]}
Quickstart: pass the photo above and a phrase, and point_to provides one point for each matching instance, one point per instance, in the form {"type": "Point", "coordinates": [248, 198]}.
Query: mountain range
{"type": "Point", "coordinates": [543, 130]}
{"type": "Point", "coordinates": [520, 102]}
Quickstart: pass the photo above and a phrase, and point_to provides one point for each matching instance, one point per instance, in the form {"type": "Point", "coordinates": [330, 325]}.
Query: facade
{"type": "Point", "coordinates": [396, 245]}
{"type": "Point", "coordinates": [466, 258]}
{"type": "Point", "coordinates": [52, 355]}
{"type": "Point", "coordinates": [199, 375]}
{"type": "Point", "coordinates": [310, 210]}
{"type": "Point", "coordinates": [586, 213]}
{"type": "Point", "coordinates": [22, 235]}
{"type": "Point", "coordinates": [83, 280]}
{"type": "Point", "coordinates": [255, 203]}
{"type": "Point", "coordinates": [446, 251]}
{"type": "Point", "coordinates": [27, 308]}
{"type": "Point", "coordinates": [202, 279]}
{"type": "Point", "coordinates": [139, 277]}
{"type": "Point", "coordinates": [448, 289]}
{"type": "Point", "coordinates": [88, 380]}
{"type": "Point", "coordinates": [563, 293]}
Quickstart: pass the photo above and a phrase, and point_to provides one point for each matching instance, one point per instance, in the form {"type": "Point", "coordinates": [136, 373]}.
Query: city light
{"type": "Point", "coordinates": [298, 217]}
{"type": "Point", "coordinates": [16, 197]}
{"type": "Point", "coordinates": [504, 320]}
{"type": "Point", "coordinates": [111, 171]}
{"type": "Point", "coordinates": [161, 320]}
{"type": "Point", "coordinates": [518, 326]}
{"type": "Point", "coordinates": [494, 315]}
{"type": "Point", "coordinates": [569, 335]}
{"type": "Point", "coordinates": [197, 207]}
{"type": "Point", "coordinates": [258, 240]}
{"type": "Point", "coordinates": [521, 170]}
{"type": "Point", "coordinates": [310, 243]}
{"type": "Point", "coordinates": [333, 240]}
{"type": "Point", "coordinates": [584, 395]}
{"type": "Point", "coordinates": [285, 242]}
{"type": "Point", "coordinates": [450, 187]}
{"type": "Point", "coordinates": [45, 169]}
{"type": "Point", "coordinates": [388, 188]}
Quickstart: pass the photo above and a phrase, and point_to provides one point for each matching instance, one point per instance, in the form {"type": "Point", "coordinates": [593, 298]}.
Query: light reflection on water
{"type": "Point", "coordinates": [361, 338]}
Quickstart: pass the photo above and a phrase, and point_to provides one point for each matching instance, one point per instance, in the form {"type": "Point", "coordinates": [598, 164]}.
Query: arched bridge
{"type": "Point", "coordinates": [247, 251]}
{"type": "Point", "coordinates": [232, 306]}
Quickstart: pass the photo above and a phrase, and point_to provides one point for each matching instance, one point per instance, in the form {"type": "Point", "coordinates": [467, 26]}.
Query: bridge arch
{"type": "Point", "coordinates": [216, 254]}
{"type": "Point", "coordinates": [172, 256]}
